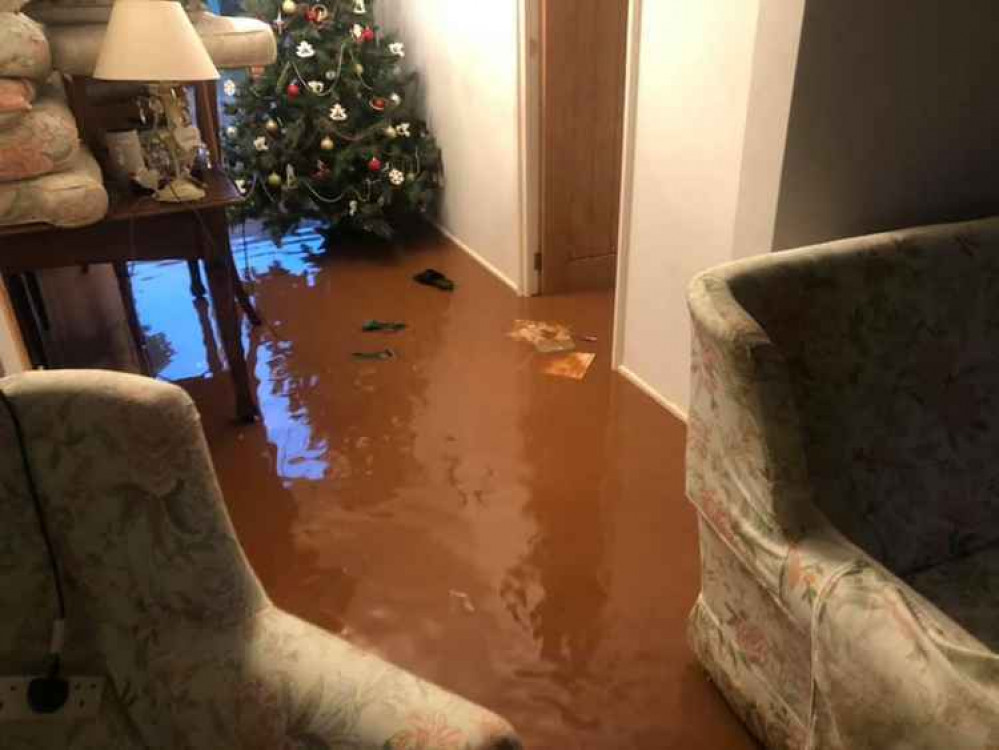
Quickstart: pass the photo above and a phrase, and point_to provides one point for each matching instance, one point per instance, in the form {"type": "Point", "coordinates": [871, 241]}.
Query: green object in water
{"type": "Point", "coordinates": [382, 355]}
{"type": "Point", "coordinates": [380, 325]}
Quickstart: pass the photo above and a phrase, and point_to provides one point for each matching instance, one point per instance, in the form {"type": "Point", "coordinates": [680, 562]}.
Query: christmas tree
{"type": "Point", "coordinates": [328, 132]}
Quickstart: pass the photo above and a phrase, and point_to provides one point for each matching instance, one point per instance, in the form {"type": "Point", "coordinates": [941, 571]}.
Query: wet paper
{"type": "Point", "coordinates": [573, 366]}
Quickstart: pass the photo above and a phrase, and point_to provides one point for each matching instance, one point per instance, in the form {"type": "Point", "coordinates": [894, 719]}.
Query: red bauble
{"type": "Point", "coordinates": [293, 90]}
{"type": "Point", "coordinates": [310, 15]}
{"type": "Point", "coordinates": [375, 165]}
{"type": "Point", "coordinates": [378, 104]}
{"type": "Point", "coordinates": [368, 35]}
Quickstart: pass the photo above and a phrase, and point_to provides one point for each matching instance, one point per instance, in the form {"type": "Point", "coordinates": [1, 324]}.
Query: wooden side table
{"type": "Point", "coordinates": [140, 228]}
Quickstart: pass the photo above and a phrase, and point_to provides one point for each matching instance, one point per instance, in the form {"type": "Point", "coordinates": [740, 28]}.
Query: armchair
{"type": "Point", "coordinates": [842, 444]}
{"type": "Point", "coordinates": [161, 599]}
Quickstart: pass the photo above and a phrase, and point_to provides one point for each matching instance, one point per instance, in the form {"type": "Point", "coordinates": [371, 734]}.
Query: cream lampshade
{"type": "Point", "coordinates": [152, 40]}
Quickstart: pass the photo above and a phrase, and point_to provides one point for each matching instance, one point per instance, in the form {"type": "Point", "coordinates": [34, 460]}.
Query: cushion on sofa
{"type": "Point", "coordinates": [232, 43]}
{"type": "Point", "coordinates": [16, 96]}
{"type": "Point", "coordinates": [24, 51]}
{"type": "Point", "coordinates": [71, 198]}
{"type": "Point", "coordinates": [44, 140]}
{"type": "Point", "coordinates": [80, 11]}
{"type": "Point", "coordinates": [11, 6]}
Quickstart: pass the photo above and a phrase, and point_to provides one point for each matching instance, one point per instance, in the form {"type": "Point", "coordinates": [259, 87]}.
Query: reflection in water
{"type": "Point", "coordinates": [373, 496]}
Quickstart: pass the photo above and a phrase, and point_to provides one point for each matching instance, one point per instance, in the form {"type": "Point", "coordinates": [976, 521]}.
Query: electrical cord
{"type": "Point", "coordinates": [49, 693]}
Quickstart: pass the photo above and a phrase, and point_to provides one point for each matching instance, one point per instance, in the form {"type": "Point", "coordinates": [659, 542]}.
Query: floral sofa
{"type": "Point", "coordinates": [843, 457]}
{"type": "Point", "coordinates": [161, 599]}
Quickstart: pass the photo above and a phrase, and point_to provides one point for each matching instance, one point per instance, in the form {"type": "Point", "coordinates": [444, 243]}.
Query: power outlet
{"type": "Point", "coordinates": [83, 703]}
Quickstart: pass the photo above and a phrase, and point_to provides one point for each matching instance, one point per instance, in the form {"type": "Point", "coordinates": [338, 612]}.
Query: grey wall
{"type": "Point", "coordinates": [894, 119]}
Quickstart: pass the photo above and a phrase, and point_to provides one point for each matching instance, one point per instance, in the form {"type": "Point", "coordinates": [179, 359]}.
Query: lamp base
{"type": "Point", "coordinates": [179, 190]}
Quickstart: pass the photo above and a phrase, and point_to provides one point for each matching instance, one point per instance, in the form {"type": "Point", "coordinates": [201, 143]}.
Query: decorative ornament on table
{"type": "Point", "coordinates": [316, 87]}
{"type": "Point", "coordinates": [338, 113]}
{"type": "Point", "coordinates": [396, 177]}
{"type": "Point", "coordinates": [229, 88]}
{"type": "Point", "coordinates": [293, 90]}
{"type": "Point", "coordinates": [378, 104]}
{"type": "Point", "coordinates": [375, 165]}
{"type": "Point", "coordinates": [271, 126]}
{"type": "Point", "coordinates": [305, 50]}
{"type": "Point", "coordinates": [260, 143]}
{"type": "Point", "coordinates": [360, 8]}
{"type": "Point", "coordinates": [398, 49]}
{"type": "Point", "coordinates": [289, 8]}
{"type": "Point", "coordinates": [327, 144]}
{"type": "Point", "coordinates": [274, 179]}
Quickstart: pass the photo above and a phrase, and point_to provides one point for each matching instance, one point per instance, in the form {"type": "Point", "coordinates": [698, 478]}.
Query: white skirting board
{"type": "Point", "coordinates": [652, 393]}
{"type": "Point", "coordinates": [479, 259]}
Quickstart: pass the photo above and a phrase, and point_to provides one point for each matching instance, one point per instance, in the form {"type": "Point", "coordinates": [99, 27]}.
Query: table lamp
{"type": "Point", "coordinates": [153, 41]}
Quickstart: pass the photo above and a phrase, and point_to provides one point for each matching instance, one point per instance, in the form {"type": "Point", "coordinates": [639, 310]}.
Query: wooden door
{"type": "Point", "coordinates": [583, 56]}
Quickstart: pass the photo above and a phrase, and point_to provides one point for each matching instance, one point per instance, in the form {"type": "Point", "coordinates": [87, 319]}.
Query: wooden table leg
{"type": "Point", "coordinates": [197, 285]}
{"type": "Point", "coordinates": [222, 288]}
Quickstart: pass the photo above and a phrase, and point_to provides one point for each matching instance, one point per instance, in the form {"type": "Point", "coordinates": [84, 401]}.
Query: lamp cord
{"type": "Point", "coordinates": [58, 627]}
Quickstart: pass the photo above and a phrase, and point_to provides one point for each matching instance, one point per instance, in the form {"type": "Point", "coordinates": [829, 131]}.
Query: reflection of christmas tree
{"type": "Point", "coordinates": [327, 132]}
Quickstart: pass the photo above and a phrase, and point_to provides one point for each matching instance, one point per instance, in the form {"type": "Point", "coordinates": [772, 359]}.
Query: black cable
{"type": "Point", "coordinates": [42, 523]}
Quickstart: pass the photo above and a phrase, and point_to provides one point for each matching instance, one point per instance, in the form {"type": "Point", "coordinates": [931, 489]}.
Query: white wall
{"type": "Point", "coordinates": [895, 118]}
{"type": "Point", "coordinates": [467, 54]}
{"type": "Point", "coordinates": [695, 65]}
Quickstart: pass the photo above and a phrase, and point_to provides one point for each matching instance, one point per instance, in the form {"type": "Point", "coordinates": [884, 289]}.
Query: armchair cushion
{"type": "Point", "coordinates": [16, 96]}
{"type": "Point", "coordinates": [73, 197]}
{"type": "Point", "coordinates": [45, 140]}
{"type": "Point", "coordinates": [24, 51]}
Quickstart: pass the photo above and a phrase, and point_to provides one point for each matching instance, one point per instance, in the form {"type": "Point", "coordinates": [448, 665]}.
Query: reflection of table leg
{"type": "Point", "coordinates": [241, 296]}
{"type": "Point", "coordinates": [132, 316]}
{"type": "Point", "coordinates": [221, 285]}
{"type": "Point", "coordinates": [197, 285]}
{"type": "Point", "coordinates": [208, 336]}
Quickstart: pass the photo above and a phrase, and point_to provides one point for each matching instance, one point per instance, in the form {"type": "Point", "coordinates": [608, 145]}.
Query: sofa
{"type": "Point", "coordinates": [161, 601]}
{"type": "Point", "coordinates": [843, 460]}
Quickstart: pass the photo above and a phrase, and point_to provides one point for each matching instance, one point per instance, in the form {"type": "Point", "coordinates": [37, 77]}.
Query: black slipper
{"type": "Point", "coordinates": [434, 278]}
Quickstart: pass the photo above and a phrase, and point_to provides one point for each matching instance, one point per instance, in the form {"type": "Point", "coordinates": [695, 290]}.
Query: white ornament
{"type": "Point", "coordinates": [396, 177]}
{"type": "Point", "coordinates": [338, 113]}
{"type": "Point", "coordinates": [231, 131]}
{"type": "Point", "coordinates": [403, 129]}
{"type": "Point", "coordinates": [317, 86]}
{"type": "Point", "coordinates": [290, 178]}
{"type": "Point", "coordinates": [357, 30]}
{"type": "Point", "coordinates": [353, 207]}
{"type": "Point", "coordinates": [359, 7]}
{"type": "Point", "coordinates": [330, 75]}
{"type": "Point", "coordinates": [260, 143]}
{"type": "Point", "coordinates": [241, 186]}
{"type": "Point", "coordinates": [398, 49]}
{"type": "Point", "coordinates": [229, 87]}
{"type": "Point", "coordinates": [289, 6]}
{"type": "Point", "coordinates": [305, 49]}
{"type": "Point", "coordinates": [396, 99]}
{"type": "Point", "coordinates": [391, 132]}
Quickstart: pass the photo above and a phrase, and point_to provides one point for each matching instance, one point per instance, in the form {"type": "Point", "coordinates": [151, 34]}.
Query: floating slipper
{"type": "Point", "coordinates": [384, 354]}
{"type": "Point", "coordinates": [433, 277]}
{"type": "Point", "coordinates": [378, 325]}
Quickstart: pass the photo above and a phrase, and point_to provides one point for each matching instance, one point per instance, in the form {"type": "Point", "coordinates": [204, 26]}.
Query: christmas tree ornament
{"type": "Point", "coordinates": [326, 144]}
{"type": "Point", "coordinates": [330, 75]}
{"type": "Point", "coordinates": [316, 87]}
{"type": "Point", "coordinates": [403, 129]}
{"type": "Point", "coordinates": [289, 7]}
{"type": "Point", "coordinates": [395, 99]}
{"type": "Point", "coordinates": [240, 185]}
{"type": "Point", "coordinates": [391, 132]}
{"type": "Point", "coordinates": [360, 8]}
{"type": "Point", "coordinates": [305, 50]}
{"type": "Point", "coordinates": [274, 179]}
{"type": "Point", "coordinates": [293, 90]}
{"type": "Point", "coordinates": [260, 144]}
{"type": "Point", "coordinates": [357, 31]}
{"type": "Point", "coordinates": [375, 165]}
{"type": "Point", "coordinates": [291, 179]}
{"type": "Point", "coordinates": [352, 208]}
{"type": "Point", "coordinates": [338, 113]}
{"type": "Point", "coordinates": [378, 104]}
{"type": "Point", "coordinates": [279, 23]}
{"type": "Point", "coordinates": [359, 69]}
{"type": "Point", "coordinates": [229, 87]}
{"type": "Point", "coordinates": [396, 177]}
{"type": "Point", "coordinates": [320, 13]}
{"type": "Point", "coordinates": [231, 131]}
{"type": "Point", "coordinates": [368, 35]}
{"type": "Point", "coordinates": [398, 49]}
{"type": "Point", "coordinates": [271, 126]}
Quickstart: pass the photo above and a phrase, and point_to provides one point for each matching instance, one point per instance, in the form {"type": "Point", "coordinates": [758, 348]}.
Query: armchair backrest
{"type": "Point", "coordinates": [139, 525]}
{"type": "Point", "coordinates": [891, 349]}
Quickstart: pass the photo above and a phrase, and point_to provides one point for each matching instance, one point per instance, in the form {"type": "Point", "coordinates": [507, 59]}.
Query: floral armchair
{"type": "Point", "coordinates": [161, 599]}
{"type": "Point", "coordinates": [843, 457]}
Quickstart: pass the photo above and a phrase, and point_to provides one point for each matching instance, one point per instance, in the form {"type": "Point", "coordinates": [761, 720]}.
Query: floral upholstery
{"type": "Point", "coordinates": [843, 429]}
{"type": "Point", "coordinates": [73, 197]}
{"type": "Point", "coordinates": [45, 140]}
{"type": "Point", "coordinates": [16, 96]}
{"type": "Point", "coordinates": [161, 599]}
{"type": "Point", "coordinates": [24, 51]}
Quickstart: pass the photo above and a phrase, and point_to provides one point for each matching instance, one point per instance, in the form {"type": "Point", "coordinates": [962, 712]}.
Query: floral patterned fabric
{"type": "Point", "coordinates": [24, 51]}
{"type": "Point", "coordinates": [161, 599]}
{"type": "Point", "coordinates": [16, 96]}
{"type": "Point", "coordinates": [73, 197]}
{"type": "Point", "coordinates": [845, 413]}
{"type": "Point", "coordinates": [44, 140]}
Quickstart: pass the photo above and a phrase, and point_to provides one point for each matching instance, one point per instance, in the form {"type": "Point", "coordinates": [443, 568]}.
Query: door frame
{"type": "Point", "coordinates": [529, 127]}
